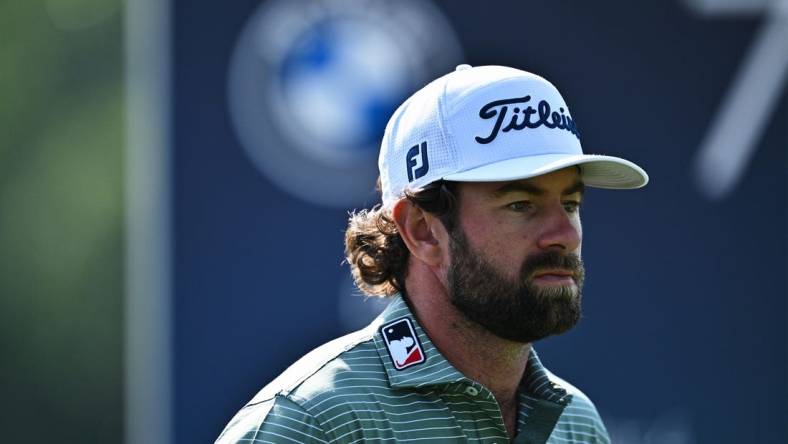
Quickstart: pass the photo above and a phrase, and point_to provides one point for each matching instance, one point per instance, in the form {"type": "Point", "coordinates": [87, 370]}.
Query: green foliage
{"type": "Point", "coordinates": [61, 220]}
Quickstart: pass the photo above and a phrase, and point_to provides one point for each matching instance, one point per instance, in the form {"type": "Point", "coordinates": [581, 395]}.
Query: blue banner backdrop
{"type": "Point", "coordinates": [279, 106]}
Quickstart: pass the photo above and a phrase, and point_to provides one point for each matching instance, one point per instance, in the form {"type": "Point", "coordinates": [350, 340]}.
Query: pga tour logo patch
{"type": "Point", "coordinates": [402, 343]}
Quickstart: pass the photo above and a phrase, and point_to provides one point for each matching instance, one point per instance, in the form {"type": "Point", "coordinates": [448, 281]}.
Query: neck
{"type": "Point", "coordinates": [496, 363]}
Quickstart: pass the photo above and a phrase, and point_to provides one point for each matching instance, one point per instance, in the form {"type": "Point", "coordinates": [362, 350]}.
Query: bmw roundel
{"type": "Point", "coordinates": [313, 83]}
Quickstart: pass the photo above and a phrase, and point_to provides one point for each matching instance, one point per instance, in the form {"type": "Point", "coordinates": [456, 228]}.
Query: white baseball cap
{"type": "Point", "coordinates": [488, 124]}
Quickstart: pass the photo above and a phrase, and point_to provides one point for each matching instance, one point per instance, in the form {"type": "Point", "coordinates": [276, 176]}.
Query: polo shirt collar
{"type": "Point", "coordinates": [537, 381]}
{"type": "Point", "coordinates": [435, 369]}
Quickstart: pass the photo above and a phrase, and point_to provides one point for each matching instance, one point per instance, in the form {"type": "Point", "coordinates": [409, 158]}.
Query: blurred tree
{"type": "Point", "coordinates": [61, 146]}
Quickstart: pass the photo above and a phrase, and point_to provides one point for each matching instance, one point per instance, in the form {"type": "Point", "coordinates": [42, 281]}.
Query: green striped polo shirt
{"type": "Point", "coordinates": [350, 390]}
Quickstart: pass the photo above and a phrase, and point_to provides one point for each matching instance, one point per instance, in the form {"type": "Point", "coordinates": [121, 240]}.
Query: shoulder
{"type": "Point", "coordinates": [350, 362]}
{"type": "Point", "coordinates": [580, 421]}
{"type": "Point", "coordinates": [288, 409]}
{"type": "Point", "coordinates": [277, 420]}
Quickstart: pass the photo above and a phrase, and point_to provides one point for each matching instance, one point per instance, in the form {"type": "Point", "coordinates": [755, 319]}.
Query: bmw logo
{"type": "Point", "coordinates": [313, 83]}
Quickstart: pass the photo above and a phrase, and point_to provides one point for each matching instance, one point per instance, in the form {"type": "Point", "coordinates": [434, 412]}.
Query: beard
{"type": "Point", "coordinates": [517, 310]}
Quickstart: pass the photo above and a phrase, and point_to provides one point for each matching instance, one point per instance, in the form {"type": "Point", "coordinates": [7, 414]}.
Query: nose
{"type": "Point", "coordinates": [560, 231]}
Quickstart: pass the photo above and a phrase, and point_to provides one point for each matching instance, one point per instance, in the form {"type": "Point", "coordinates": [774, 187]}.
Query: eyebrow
{"type": "Point", "coordinates": [523, 187]}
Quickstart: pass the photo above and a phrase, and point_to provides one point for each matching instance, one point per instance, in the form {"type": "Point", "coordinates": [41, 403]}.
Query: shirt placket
{"type": "Point", "coordinates": [487, 408]}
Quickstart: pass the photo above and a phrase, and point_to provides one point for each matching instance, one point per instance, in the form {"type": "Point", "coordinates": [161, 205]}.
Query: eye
{"type": "Point", "coordinates": [520, 206]}
{"type": "Point", "coordinates": [572, 206]}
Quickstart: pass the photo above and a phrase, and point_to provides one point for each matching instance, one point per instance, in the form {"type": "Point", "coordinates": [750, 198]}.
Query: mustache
{"type": "Point", "coordinates": [553, 260]}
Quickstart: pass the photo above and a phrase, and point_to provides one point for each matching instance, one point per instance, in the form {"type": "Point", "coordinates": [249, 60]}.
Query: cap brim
{"type": "Point", "coordinates": [597, 170]}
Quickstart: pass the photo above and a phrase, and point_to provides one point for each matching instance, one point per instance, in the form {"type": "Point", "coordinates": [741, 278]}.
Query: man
{"type": "Point", "coordinates": [477, 243]}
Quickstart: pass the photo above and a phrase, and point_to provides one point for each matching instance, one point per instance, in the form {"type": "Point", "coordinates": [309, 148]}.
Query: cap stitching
{"type": "Point", "coordinates": [447, 132]}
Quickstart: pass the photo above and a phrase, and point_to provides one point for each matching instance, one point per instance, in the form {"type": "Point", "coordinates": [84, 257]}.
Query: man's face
{"type": "Point", "coordinates": [515, 264]}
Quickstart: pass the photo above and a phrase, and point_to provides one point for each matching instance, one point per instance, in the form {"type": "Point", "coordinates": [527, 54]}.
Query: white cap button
{"type": "Point", "coordinates": [472, 391]}
{"type": "Point", "coordinates": [462, 67]}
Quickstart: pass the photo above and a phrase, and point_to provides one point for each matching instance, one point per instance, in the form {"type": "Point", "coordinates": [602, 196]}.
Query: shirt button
{"type": "Point", "coordinates": [472, 391]}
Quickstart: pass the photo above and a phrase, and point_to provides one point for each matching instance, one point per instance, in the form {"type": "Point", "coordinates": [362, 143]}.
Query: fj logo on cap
{"type": "Point", "coordinates": [402, 343]}
{"type": "Point", "coordinates": [521, 118]}
{"type": "Point", "coordinates": [417, 161]}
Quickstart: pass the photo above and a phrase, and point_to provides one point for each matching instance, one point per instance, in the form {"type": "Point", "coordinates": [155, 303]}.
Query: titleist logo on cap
{"type": "Point", "coordinates": [518, 122]}
{"type": "Point", "coordinates": [521, 118]}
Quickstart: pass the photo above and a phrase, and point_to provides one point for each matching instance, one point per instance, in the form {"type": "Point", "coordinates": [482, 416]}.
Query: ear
{"type": "Point", "coordinates": [423, 233]}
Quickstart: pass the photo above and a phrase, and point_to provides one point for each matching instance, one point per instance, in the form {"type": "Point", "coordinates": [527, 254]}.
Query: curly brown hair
{"type": "Point", "coordinates": [377, 255]}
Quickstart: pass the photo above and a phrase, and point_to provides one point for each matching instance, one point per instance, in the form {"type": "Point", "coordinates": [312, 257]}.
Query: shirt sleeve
{"type": "Point", "coordinates": [278, 420]}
